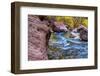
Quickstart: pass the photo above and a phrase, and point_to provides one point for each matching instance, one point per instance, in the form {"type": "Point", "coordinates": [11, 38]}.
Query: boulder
{"type": "Point", "coordinates": [83, 33]}
{"type": "Point", "coordinates": [59, 27]}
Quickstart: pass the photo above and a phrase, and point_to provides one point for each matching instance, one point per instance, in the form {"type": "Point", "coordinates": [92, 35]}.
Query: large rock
{"type": "Point", "coordinates": [37, 38]}
{"type": "Point", "coordinates": [83, 33]}
{"type": "Point", "coordinates": [59, 27]}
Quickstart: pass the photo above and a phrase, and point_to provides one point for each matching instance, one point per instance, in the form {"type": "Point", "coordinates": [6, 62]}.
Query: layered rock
{"type": "Point", "coordinates": [37, 38]}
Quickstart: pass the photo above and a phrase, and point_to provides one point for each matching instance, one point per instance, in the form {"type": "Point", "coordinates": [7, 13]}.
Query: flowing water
{"type": "Point", "coordinates": [67, 48]}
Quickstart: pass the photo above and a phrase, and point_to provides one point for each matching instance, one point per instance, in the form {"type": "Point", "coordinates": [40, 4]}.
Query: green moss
{"type": "Point", "coordinates": [53, 48]}
{"type": "Point", "coordinates": [53, 37]}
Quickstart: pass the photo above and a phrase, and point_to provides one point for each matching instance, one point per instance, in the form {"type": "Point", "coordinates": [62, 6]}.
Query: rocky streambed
{"type": "Point", "coordinates": [67, 48]}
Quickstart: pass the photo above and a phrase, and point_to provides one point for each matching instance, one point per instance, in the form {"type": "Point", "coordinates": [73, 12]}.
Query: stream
{"type": "Point", "coordinates": [67, 48]}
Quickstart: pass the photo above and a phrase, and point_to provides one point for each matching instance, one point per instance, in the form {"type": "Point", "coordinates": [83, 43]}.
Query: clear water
{"type": "Point", "coordinates": [67, 48]}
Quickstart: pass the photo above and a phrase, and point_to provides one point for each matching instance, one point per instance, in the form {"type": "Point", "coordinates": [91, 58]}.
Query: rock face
{"type": "Point", "coordinates": [37, 38]}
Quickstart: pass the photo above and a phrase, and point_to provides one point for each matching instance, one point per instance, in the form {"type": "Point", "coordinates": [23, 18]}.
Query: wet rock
{"type": "Point", "coordinates": [80, 33]}
{"type": "Point", "coordinates": [75, 34]}
{"type": "Point", "coordinates": [83, 33]}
